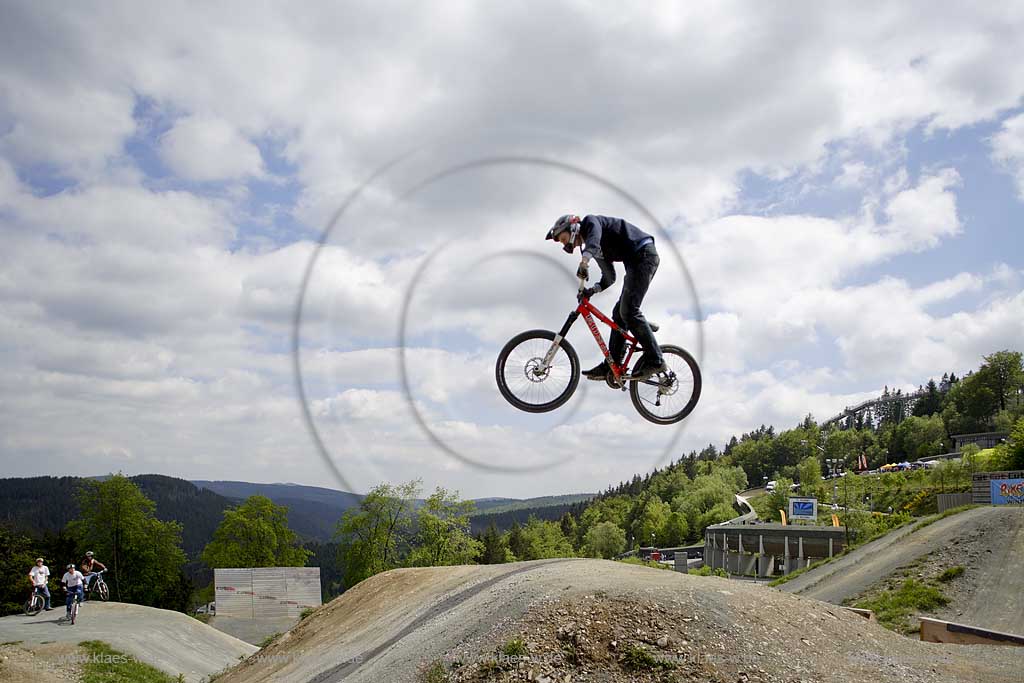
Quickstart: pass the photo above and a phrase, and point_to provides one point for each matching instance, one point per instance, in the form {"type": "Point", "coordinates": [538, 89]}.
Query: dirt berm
{"type": "Point", "coordinates": [596, 620]}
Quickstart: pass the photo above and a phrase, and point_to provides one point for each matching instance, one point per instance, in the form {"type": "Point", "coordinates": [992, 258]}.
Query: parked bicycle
{"type": "Point", "coordinates": [538, 371]}
{"type": "Point", "coordinates": [36, 601]}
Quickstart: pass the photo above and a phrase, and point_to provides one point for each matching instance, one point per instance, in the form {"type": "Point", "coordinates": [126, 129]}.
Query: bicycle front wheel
{"type": "Point", "coordinates": [74, 611]}
{"type": "Point", "coordinates": [103, 591]}
{"type": "Point", "coordinates": [34, 605]}
{"type": "Point", "coordinates": [667, 398]}
{"type": "Point", "coordinates": [526, 382]}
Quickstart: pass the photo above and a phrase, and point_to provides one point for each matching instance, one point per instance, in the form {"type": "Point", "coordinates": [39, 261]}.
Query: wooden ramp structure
{"type": "Point", "coordinates": [938, 631]}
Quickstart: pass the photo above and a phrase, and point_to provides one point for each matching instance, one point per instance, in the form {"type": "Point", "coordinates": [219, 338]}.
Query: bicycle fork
{"type": "Point", "coordinates": [557, 341]}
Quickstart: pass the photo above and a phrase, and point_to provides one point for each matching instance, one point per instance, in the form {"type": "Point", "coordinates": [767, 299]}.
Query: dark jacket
{"type": "Point", "coordinates": [607, 240]}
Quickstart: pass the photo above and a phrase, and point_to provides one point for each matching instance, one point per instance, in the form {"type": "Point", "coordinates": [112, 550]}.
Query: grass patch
{"type": "Point", "coordinates": [107, 665]}
{"type": "Point", "coordinates": [268, 640]}
{"type": "Point", "coordinates": [636, 658]}
{"type": "Point", "coordinates": [803, 570]}
{"type": "Point", "coordinates": [306, 612]}
{"type": "Point", "coordinates": [516, 647]}
{"type": "Point", "coordinates": [892, 608]}
{"type": "Point", "coordinates": [952, 511]}
{"type": "Point", "coordinates": [951, 573]}
{"type": "Point", "coordinates": [708, 571]}
{"type": "Point", "coordinates": [205, 618]}
{"type": "Point", "coordinates": [434, 673]}
{"type": "Point", "coordinates": [644, 563]}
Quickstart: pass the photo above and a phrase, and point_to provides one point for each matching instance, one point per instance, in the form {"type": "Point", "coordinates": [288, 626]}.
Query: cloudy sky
{"type": "Point", "coordinates": [843, 185]}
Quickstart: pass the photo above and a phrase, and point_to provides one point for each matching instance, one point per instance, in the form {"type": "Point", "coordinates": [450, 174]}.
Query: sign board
{"type": "Point", "coordinates": [1007, 491]}
{"type": "Point", "coordinates": [803, 508]}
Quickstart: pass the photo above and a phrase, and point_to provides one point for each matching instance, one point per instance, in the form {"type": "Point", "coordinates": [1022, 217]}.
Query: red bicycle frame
{"type": "Point", "coordinates": [589, 312]}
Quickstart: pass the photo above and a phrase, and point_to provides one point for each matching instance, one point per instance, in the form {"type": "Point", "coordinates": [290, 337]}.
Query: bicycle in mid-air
{"type": "Point", "coordinates": [538, 371]}
{"type": "Point", "coordinates": [98, 587]}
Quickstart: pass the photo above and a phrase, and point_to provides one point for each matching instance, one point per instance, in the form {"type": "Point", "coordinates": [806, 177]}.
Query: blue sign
{"type": "Point", "coordinates": [1007, 491]}
{"type": "Point", "coordinates": [803, 508]}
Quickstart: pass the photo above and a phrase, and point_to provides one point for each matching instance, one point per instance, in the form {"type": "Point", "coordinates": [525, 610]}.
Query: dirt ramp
{"type": "Point", "coordinates": [593, 620]}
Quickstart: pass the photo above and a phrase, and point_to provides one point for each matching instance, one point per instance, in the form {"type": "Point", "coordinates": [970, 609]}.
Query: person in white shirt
{"type": "Point", "coordinates": [39, 575]}
{"type": "Point", "coordinates": [73, 583]}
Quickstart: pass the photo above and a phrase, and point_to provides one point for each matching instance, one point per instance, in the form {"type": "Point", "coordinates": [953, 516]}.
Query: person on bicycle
{"type": "Point", "coordinates": [39, 575]}
{"type": "Point", "coordinates": [89, 566]}
{"type": "Point", "coordinates": [607, 240]}
{"type": "Point", "coordinates": [73, 582]}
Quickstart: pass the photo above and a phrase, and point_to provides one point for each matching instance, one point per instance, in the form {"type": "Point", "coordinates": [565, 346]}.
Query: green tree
{"type": "Point", "coordinates": [931, 402]}
{"type": "Point", "coordinates": [372, 535]}
{"type": "Point", "coordinates": [517, 543]}
{"type": "Point", "coordinates": [779, 498]}
{"type": "Point", "coordinates": [17, 557]}
{"type": "Point", "coordinates": [675, 532]}
{"type": "Point", "coordinates": [255, 534]}
{"type": "Point", "coordinates": [494, 546]}
{"type": "Point", "coordinates": [1012, 452]}
{"type": "Point", "coordinates": [570, 529]}
{"type": "Point", "coordinates": [1003, 373]}
{"type": "Point", "coordinates": [809, 471]}
{"type": "Point", "coordinates": [649, 517]}
{"type": "Point", "coordinates": [542, 539]}
{"type": "Point", "coordinates": [606, 540]}
{"type": "Point", "coordinates": [442, 533]}
{"type": "Point", "coordinates": [919, 437]}
{"type": "Point", "coordinates": [143, 554]}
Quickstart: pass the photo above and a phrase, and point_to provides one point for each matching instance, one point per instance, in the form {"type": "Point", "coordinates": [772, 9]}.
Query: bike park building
{"type": "Point", "coordinates": [769, 549]}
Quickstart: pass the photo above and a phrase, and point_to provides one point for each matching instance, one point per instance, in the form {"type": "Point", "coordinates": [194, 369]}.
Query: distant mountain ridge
{"type": "Point", "coordinates": [38, 504]}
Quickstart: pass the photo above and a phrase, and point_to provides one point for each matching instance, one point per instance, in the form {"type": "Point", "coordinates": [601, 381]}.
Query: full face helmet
{"type": "Point", "coordinates": [567, 222]}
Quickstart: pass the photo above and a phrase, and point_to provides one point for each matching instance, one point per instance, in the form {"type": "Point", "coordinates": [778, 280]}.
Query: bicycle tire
{"type": "Point", "coordinates": [34, 605]}
{"type": "Point", "coordinates": [502, 378]}
{"type": "Point", "coordinates": [102, 589]}
{"type": "Point", "coordinates": [694, 383]}
{"type": "Point", "coordinates": [74, 610]}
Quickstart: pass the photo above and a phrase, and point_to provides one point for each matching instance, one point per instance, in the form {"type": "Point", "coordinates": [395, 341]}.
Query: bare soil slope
{"type": "Point", "coordinates": [594, 620]}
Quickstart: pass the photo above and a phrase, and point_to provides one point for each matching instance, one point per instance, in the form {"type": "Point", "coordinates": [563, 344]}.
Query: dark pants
{"type": "Point", "coordinates": [77, 590]}
{"type": "Point", "coordinates": [640, 271]}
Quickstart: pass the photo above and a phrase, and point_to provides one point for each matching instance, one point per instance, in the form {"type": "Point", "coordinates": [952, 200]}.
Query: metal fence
{"type": "Point", "coordinates": [266, 592]}
{"type": "Point", "coordinates": [948, 501]}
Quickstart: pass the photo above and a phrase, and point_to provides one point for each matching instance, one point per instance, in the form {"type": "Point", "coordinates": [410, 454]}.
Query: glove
{"type": "Point", "coordinates": [583, 271]}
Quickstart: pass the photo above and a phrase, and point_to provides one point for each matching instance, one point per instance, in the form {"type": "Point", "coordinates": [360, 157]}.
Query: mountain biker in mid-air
{"type": "Point", "coordinates": [89, 568]}
{"type": "Point", "coordinates": [73, 582]}
{"type": "Point", "coordinates": [607, 240]}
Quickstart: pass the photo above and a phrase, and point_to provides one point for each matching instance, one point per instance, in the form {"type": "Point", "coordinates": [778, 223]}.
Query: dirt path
{"type": "Point", "coordinates": [170, 641]}
{"type": "Point", "coordinates": [855, 573]}
{"type": "Point", "coordinates": [396, 625]}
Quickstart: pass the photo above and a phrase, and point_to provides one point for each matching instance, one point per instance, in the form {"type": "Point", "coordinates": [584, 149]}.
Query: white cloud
{"type": "Point", "coordinates": [207, 148]}
{"type": "Point", "coordinates": [145, 324]}
{"type": "Point", "coordinates": [1008, 149]}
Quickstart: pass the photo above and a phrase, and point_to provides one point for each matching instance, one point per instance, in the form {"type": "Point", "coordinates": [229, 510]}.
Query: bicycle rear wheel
{"type": "Point", "coordinates": [523, 380]}
{"type": "Point", "coordinates": [668, 397]}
